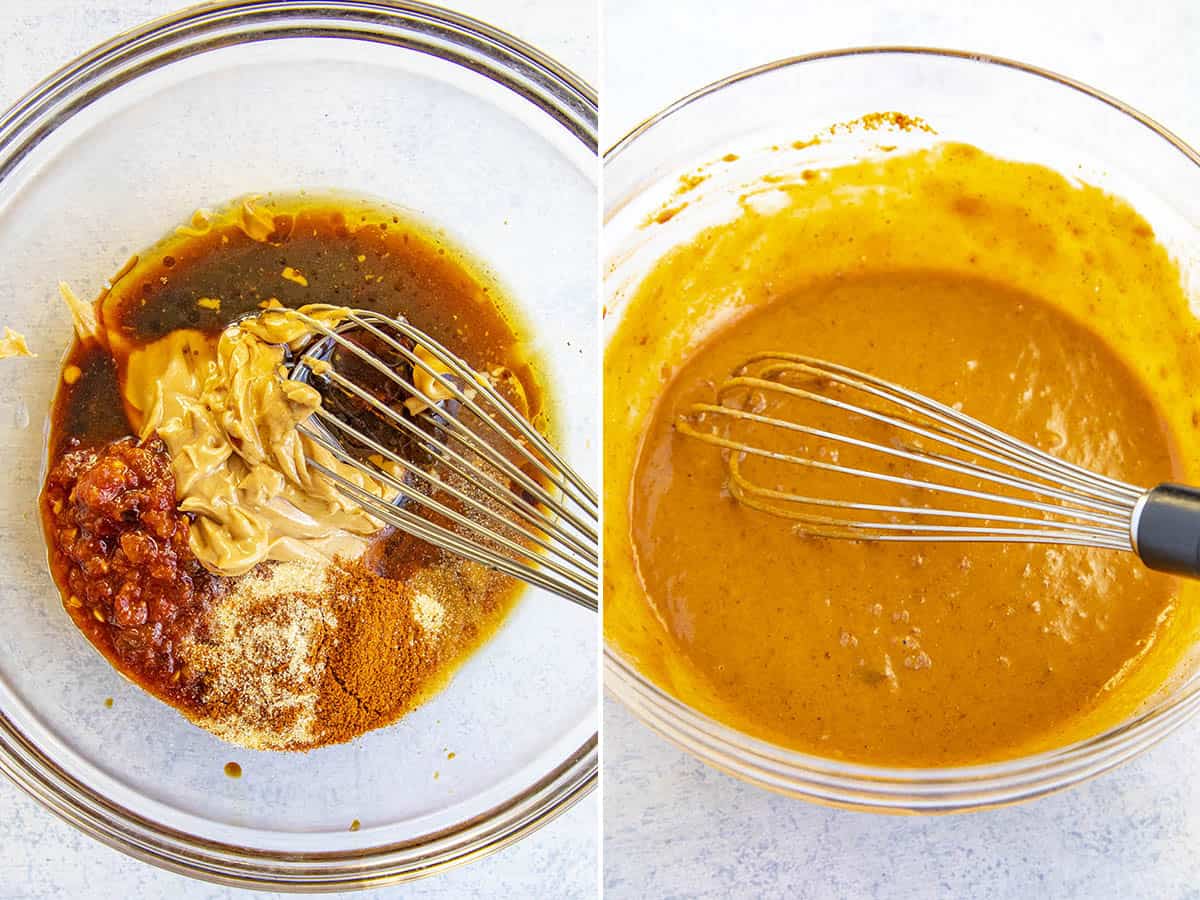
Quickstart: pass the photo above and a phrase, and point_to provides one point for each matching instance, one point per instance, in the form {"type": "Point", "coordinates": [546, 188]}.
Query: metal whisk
{"type": "Point", "coordinates": [802, 435]}
{"type": "Point", "coordinates": [493, 488]}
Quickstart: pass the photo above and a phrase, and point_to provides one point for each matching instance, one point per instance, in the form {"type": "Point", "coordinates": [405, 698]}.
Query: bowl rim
{"type": "Point", "coordinates": [858, 785]}
{"type": "Point", "coordinates": [902, 50]}
{"type": "Point", "coordinates": [409, 26]}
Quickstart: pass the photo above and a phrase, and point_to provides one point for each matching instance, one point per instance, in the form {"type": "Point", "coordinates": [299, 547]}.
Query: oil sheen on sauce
{"type": "Point", "coordinates": [1045, 308]}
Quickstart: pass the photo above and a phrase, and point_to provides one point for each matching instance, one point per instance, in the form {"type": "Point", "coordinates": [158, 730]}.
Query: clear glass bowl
{"type": "Point", "coordinates": [1006, 108]}
{"type": "Point", "coordinates": [425, 109]}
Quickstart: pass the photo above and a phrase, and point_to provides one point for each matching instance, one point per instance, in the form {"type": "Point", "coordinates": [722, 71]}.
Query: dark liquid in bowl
{"type": "Point", "coordinates": [348, 259]}
{"type": "Point", "coordinates": [329, 252]}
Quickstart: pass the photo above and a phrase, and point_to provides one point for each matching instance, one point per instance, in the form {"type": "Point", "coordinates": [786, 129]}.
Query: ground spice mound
{"type": "Point", "coordinates": [300, 655]}
{"type": "Point", "coordinates": [262, 659]}
{"type": "Point", "coordinates": [381, 658]}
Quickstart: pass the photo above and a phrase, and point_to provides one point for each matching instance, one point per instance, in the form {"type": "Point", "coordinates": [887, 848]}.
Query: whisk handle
{"type": "Point", "coordinates": [1166, 529]}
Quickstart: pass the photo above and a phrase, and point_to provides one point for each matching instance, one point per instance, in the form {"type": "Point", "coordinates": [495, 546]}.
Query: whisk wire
{"type": "Point", "coordinates": [587, 496]}
{"type": "Point", "coordinates": [537, 524]}
{"type": "Point", "coordinates": [914, 428]}
{"type": "Point", "coordinates": [457, 464]}
{"type": "Point", "coordinates": [564, 478]}
{"type": "Point", "coordinates": [751, 495]}
{"type": "Point", "coordinates": [468, 438]}
{"type": "Point", "coordinates": [922, 458]}
{"type": "Point", "coordinates": [742, 486]}
{"type": "Point", "coordinates": [970, 429]}
{"type": "Point", "coordinates": [429, 502]}
{"type": "Point", "coordinates": [441, 448]}
{"type": "Point", "coordinates": [581, 591]}
{"type": "Point", "coordinates": [1077, 506]}
{"type": "Point", "coordinates": [405, 385]}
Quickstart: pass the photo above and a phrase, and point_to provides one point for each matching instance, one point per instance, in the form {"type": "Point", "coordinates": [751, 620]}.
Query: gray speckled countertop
{"type": "Point", "coordinates": [42, 857]}
{"type": "Point", "coordinates": [675, 828]}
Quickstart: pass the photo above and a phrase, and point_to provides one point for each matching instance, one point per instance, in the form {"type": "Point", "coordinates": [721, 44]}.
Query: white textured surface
{"type": "Point", "coordinates": [675, 828]}
{"type": "Point", "coordinates": [1143, 53]}
{"type": "Point", "coordinates": [42, 857]}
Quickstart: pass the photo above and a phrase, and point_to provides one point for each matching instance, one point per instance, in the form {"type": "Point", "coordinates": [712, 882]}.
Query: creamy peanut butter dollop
{"type": "Point", "coordinates": [228, 415]}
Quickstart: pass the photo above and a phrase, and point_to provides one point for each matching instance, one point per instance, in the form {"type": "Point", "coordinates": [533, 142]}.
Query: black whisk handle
{"type": "Point", "coordinates": [1166, 529]}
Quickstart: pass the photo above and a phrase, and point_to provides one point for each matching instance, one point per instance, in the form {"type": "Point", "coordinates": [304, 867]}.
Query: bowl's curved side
{"type": "Point", "coordinates": [640, 176]}
{"type": "Point", "coordinates": [554, 95]}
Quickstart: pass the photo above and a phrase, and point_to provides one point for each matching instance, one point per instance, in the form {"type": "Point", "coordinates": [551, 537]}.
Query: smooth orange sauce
{"type": "Point", "coordinates": [1043, 308]}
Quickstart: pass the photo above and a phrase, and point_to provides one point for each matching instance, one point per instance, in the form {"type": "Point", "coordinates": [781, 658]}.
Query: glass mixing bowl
{"type": "Point", "coordinates": [742, 128]}
{"type": "Point", "coordinates": [434, 112]}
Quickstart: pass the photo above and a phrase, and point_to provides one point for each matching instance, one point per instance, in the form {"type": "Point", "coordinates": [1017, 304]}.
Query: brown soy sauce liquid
{"type": "Point", "coordinates": [348, 254]}
{"type": "Point", "coordinates": [89, 411]}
